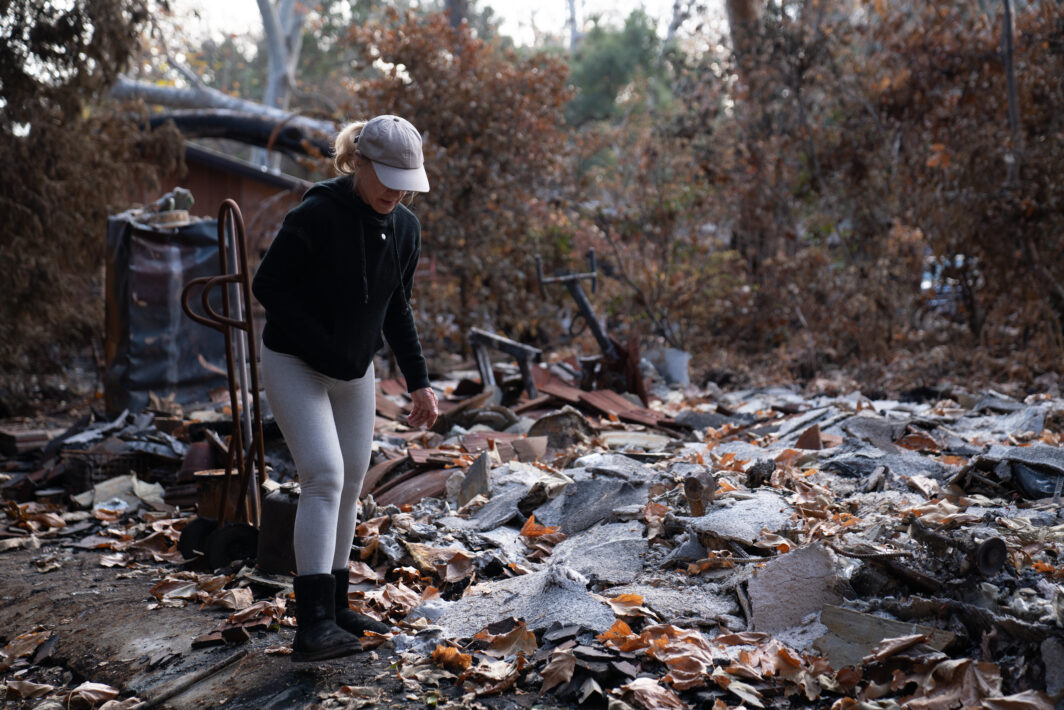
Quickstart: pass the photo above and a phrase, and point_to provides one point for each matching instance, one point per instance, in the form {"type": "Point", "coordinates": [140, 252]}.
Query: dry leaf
{"type": "Point", "coordinates": [627, 605]}
{"type": "Point", "coordinates": [649, 694]}
{"type": "Point", "coordinates": [1027, 700]}
{"type": "Point", "coordinates": [559, 670]}
{"type": "Point", "coordinates": [24, 645]}
{"type": "Point", "coordinates": [239, 598]}
{"type": "Point", "coordinates": [714, 560]}
{"type": "Point", "coordinates": [744, 638]}
{"type": "Point", "coordinates": [427, 558]}
{"type": "Point", "coordinates": [494, 677]}
{"type": "Point", "coordinates": [117, 559]}
{"type": "Point", "coordinates": [654, 517]}
{"type": "Point", "coordinates": [361, 572]}
{"type": "Point", "coordinates": [457, 568]}
{"type": "Point", "coordinates": [744, 691]}
{"type": "Point", "coordinates": [918, 440]}
{"type": "Point", "coordinates": [91, 693]}
{"type": "Point", "coordinates": [268, 609]}
{"type": "Point", "coordinates": [373, 527]}
{"type": "Point", "coordinates": [451, 658]}
{"type": "Point", "coordinates": [519, 640]}
{"type": "Point", "coordinates": [26, 689]}
{"type": "Point", "coordinates": [888, 647]}
{"type": "Point", "coordinates": [617, 633]}
{"type": "Point", "coordinates": [958, 682]}
{"type": "Point", "coordinates": [533, 529]}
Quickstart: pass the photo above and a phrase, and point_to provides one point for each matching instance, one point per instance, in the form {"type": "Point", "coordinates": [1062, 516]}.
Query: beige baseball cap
{"type": "Point", "coordinates": [393, 145]}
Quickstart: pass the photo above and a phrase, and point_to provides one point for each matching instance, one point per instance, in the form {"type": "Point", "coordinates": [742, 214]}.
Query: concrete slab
{"type": "Point", "coordinates": [1053, 656]}
{"type": "Point", "coordinates": [698, 604]}
{"type": "Point", "coordinates": [539, 599]}
{"type": "Point", "coordinates": [616, 465]}
{"type": "Point", "coordinates": [792, 586]}
{"type": "Point", "coordinates": [588, 500]}
{"type": "Point", "coordinates": [874, 429]}
{"type": "Point", "coordinates": [1030, 418]}
{"type": "Point", "coordinates": [477, 480]}
{"type": "Point", "coordinates": [607, 554]}
{"type": "Point", "coordinates": [499, 510]}
{"type": "Point", "coordinates": [852, 635]}
{"type": "Point", "coordinates": [742, 519]}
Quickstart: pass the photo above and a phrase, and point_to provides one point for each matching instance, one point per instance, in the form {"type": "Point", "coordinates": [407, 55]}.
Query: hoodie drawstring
{"type": "Point", "coordinates": [395, 257]}
{"type": "Point", "coordinates": [365, 276]}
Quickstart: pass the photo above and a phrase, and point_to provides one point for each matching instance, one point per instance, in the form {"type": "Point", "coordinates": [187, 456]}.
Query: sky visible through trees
{"type": "Point", "coordinates": [241, 16]}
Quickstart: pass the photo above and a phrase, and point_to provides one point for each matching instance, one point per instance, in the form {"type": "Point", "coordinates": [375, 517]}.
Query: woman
{"type": "Point", "coordinates": [339, 274]}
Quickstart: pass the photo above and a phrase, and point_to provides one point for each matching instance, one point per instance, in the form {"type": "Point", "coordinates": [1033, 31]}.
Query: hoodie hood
{"type": "Point", "coordinates": [341, 190]}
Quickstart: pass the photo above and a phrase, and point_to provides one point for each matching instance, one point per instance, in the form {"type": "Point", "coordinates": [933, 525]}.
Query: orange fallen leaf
{"type": "Point", "coordinates": [451, 658]}
{"type": "Point", "coordinates": [919, 441]}
{"type": "Point", "coordinates": [618, 632]}
{"type": "Point", "coordinates": [533, 529]}
{"type": "Point", "coordinates": [628, 605]}
{"type": "Point", "coordinates": [724, 486]}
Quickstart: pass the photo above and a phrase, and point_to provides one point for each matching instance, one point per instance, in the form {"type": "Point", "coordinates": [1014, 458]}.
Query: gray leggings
{"type": "Point", "coordinates": [328, 426]}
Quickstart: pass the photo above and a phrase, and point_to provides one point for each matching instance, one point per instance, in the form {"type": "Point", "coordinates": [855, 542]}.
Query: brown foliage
{"type": "Point", "coordinates": [494, 146]}
{"type": "Point", "coordinates": [67, 164]}
{"type": "Point", "coordinates": [863, 146]}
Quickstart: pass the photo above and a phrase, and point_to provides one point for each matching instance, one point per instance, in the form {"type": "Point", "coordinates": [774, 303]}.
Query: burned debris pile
{"type": "Point", "coordinates": [756, 548]}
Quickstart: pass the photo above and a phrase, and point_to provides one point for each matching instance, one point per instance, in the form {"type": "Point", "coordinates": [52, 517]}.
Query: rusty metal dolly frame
{"type": "Point", "coordinates": [233, 536]}
{"type": "Point", "coordinates": [618, 366]}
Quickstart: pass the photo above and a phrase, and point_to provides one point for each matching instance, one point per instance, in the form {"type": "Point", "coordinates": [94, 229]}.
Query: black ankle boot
{"type": "Point", "coordinates": [317, 635]}
{"type": "Point", "coordinates": [346, 618]}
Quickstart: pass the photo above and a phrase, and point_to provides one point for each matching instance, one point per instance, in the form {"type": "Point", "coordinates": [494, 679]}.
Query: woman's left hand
{"type": "Point", "coordinates": [426, 408]}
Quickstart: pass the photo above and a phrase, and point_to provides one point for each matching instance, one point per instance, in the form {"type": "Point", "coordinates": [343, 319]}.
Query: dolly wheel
{"type": "Point", "coordinates": [193, 540]}
{"type": "Point", "coordinates": [232, 541]}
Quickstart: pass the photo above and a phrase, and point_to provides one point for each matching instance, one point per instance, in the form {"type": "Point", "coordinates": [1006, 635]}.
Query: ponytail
{"type": "Point", "coordinates": [345, 147]}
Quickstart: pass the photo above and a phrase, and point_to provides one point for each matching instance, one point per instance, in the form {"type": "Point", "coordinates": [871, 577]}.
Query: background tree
{"type": "Point", "coordinates": [495, 146]}
{"type": "Point", "coordinates": [609, 63]}
{"type": "Point", "coordinates": [68, 162]}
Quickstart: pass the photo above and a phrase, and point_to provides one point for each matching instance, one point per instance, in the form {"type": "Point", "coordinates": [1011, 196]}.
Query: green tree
{"type": "Point", "coordinates": [611, 66]}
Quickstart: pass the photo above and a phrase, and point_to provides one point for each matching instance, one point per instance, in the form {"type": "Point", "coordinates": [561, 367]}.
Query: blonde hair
{"type": "Point", "coordinates": [345, 147]}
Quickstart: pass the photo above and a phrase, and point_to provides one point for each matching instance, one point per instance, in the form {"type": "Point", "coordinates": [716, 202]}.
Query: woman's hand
{"type": "Point", "coordinates": [426, 408]}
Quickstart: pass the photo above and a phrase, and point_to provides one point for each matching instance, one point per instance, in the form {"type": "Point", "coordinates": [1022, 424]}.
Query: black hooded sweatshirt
{"type": "Point", "coordinates": [336, 277]}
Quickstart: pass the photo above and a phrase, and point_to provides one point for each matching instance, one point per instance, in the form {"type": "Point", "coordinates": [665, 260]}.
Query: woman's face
{"type": "Point", "coordinates": [380, 198]}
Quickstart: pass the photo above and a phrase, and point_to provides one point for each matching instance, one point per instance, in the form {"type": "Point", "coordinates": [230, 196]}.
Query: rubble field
{"type": "Point", "coordinates": [549, 547]}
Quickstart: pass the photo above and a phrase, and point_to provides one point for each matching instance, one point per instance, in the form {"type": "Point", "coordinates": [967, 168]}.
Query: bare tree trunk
{"type": "Point", "coordinates": [283, 28]}
{"type": "Point", "coordinates": [1012, 160]}
{"type": "Point", "coordinates": [743, 16]}
{"type": "Point", "coordinates": [751, 237]}
{"type": "Point", "coordinates": [574, 26]}
{"type": "Point", "coordinates": [204, 97]}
